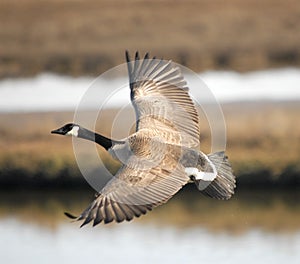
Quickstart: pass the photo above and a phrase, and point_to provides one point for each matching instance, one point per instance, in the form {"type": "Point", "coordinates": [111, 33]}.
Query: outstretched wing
{"type": "Point", "coordinates": [160, 97]}
{"type": "Point", "coordinates": [135, 190]}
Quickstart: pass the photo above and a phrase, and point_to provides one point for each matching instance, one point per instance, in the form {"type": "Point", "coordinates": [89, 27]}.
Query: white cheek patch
{"type": "Point", "coordinates": [73, 132]}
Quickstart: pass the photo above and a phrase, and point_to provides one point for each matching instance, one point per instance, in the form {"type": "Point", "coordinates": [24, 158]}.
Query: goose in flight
{"type": "Point", "coordinates": [162, 155]}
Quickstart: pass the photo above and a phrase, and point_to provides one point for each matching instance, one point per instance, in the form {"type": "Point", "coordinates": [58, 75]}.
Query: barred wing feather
{"type": "Point", "coordinates": [160, 97]}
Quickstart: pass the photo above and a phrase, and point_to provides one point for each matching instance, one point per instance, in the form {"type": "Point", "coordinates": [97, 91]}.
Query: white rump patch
{"type": "Point", "coordinates": [202, 178]}
{"type": "Point", "coordinates": [73, 132]}
{"type": "Point", "coordinates": [201, 175]}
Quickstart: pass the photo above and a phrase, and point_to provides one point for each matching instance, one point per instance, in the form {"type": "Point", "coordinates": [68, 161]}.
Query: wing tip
{"type": "Point", "coordinates": [70, 216]}
{"type": "Point", "coordinates": [127, 56]}
{"type": "Point", "coordinates": [137, 56]}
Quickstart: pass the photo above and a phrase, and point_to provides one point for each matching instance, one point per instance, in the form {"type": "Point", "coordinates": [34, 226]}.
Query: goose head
{"type": "Point", "coordinates": [81, 132]}
{"type": "Point", "coordinates": [67, 130]}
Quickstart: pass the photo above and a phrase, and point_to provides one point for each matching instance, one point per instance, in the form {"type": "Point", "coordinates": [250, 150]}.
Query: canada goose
{"type": "Point", "coordinates": [161, 156]}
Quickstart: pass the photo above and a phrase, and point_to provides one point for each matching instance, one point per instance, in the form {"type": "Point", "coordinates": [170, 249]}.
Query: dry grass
{"type": "Point", "coordinates": [87, 36]}
{"type": "Point", "coordinates": [263, 142]}
{"type": "Point", "coordinates": [265, 134]}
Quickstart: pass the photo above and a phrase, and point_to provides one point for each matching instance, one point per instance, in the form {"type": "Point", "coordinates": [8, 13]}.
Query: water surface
{"type": "Point", "coordinates": [41, 91]}
{"type": "Point", "coordinates": [254, 226]}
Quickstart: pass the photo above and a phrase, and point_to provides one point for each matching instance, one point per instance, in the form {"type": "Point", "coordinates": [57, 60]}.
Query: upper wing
{"type": "Point", "coordinates": [135, 190]}
{"type": "Point", "coordinates": [161, 101]}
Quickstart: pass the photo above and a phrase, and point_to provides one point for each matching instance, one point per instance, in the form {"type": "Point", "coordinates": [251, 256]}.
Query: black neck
{"type": "Point", "coordinates": [99, 139]}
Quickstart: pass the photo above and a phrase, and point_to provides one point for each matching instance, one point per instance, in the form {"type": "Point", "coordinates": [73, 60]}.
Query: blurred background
{"type": "Point", "coordinates": [247, 52]}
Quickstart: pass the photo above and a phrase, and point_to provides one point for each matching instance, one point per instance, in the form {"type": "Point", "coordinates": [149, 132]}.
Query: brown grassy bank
{"type": "Point", "coordinates": [87, 36]}
{"type": "Point", "coordinates": [263, 143]}
{"type": "Point", "coordinates": [268, 211]}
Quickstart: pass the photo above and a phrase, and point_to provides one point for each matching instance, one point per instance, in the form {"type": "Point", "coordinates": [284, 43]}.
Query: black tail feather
{"type": "Point", "coordinates": [222, 187]}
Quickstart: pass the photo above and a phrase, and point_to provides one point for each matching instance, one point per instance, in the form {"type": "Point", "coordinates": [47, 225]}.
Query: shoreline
{"type": "Point", "coordinates": [255, 148]}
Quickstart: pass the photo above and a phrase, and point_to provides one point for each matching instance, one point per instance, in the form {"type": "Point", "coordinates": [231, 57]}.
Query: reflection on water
{"type": "Point", "coordinates": [261, 227]}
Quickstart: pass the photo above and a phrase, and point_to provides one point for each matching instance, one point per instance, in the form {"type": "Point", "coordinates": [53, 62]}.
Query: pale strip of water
{"type": "Point", "coordinates": [132, 243]}
{"type": "Point", "coordinates": [47, 92]}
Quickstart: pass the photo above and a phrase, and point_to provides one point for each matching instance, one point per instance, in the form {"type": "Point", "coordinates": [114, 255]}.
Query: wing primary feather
{"type": "Point", "coordinates": [90, 217]}
{"type": "Point", "coordinates": [123, 207]}
{"type": "Point", "coordinates": [160, 66]}
{"type": "Point", "coordinates": [86, 221]}
{"type": "Point", "coordinates": [127, 212]}
{"type": "Point", "coordinates": [167, 75]}
{"type": "Point", "coordinates": [99, 217]}
{"type": "Point", "coordinates": [136, 67]}
{"type": "Point", "coordinates": [145, 64]}
{"type": "Point", "coordinates": [137, 56]}
{"type": "Point", "coordinates": [86, 211]}
{"type": "Point", "coordinates": [109, 216]}
{"type": "Point", "coordinates": [70, 215]}
{"type": "Point", "coordinates": [129, 68]}
{"type": "Point", "coordinates": [157, 65]}
{"type": "Point", "coordinates": [127, 56]}
{"type": "Point", "coordinates": [150, 67]}
{"type": "Point", "coordinates": [119, 214]}
{"type": "Point", "coordinates": [136, 209]}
